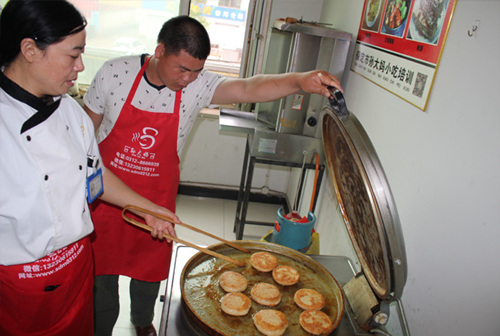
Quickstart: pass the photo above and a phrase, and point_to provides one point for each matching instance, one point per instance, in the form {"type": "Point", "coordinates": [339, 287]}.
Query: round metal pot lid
{"type": "Point", "coordinates": [365, 200]}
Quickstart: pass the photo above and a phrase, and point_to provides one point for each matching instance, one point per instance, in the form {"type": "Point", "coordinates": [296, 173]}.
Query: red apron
{"type": "Point", "coordinates": [51, 296]}
{"type": "Point", "coordinates": [142, 151]}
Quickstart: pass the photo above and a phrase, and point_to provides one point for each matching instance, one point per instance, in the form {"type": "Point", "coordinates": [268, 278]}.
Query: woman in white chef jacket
{"type": "Point", "coordinates": [48, 158]}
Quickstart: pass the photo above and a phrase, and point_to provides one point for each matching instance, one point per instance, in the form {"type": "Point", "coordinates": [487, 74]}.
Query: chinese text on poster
{"type": "Point", "coordinates": [399, 45]}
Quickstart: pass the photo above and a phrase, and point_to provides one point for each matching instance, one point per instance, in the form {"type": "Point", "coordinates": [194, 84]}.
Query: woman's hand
{"type": "Point", "coordinates": [118, 193]}
{"type": "Point", "coordinates": [161, 226]}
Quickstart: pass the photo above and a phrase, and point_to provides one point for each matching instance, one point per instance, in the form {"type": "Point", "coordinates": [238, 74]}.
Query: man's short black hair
{"type": "Point", "coordinates": [185, 33]}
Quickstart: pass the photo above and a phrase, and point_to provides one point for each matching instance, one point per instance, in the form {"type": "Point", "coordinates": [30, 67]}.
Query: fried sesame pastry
{"type": "Point", "coordinates": [233, 282]}
{"type": "Point", "coordinates": [315, 322]}
{"type": "Point", "coordinates": [270, 322]}
{"type": "Point", "coordinates": [263, 261]}
{"type": "Point", "coordinates": [235, 304]}
{"type": "Point", "coordinates": [266, 294]}
{"type": "Point", "coordinates": [286, 275]}
{"type": "Point", "coordinates": [309, 299]}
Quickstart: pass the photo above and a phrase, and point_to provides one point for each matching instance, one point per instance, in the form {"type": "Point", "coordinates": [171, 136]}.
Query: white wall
{"type": "Point", "coordinates": [443, 167]}
{"type": "Point", "coordinates": [215, 159]}
{"type": "Point", "coordinates": [309, 10]}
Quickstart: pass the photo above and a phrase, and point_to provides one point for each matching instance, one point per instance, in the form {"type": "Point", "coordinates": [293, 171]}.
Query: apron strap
{"type": "Point", "coordinates": [131, 94]}
{"type": "Point", "coordinates": [177, 106]}
{"type": "Point", "coordinates": [137, 80]}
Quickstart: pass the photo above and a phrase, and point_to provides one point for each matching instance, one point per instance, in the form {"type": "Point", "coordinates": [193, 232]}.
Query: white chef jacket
{"type": "Point", "coordinates": [43, 172]}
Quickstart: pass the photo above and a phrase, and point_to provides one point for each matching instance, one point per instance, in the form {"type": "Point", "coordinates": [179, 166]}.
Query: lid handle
{"type": "Point", "coordinates": [337, 102]}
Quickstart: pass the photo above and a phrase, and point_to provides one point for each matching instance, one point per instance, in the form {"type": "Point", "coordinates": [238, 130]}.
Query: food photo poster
{"type": "Point", "coordinates": [399, 45]}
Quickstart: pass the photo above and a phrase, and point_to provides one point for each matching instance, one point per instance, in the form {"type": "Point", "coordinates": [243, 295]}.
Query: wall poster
{"type": "Point", "coordinates": [399, 45]}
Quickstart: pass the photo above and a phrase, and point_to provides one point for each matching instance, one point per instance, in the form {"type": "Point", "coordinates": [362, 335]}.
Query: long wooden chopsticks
{"type": "Point", "coordinates": [202, 249]}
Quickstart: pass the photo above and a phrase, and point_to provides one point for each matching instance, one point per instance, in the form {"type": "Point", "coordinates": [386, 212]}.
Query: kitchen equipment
{"type": "Point", "coordinates": [201, 292]}
{"type": "Point", "coordinates": [295, 234]}
{"type": "Point", "coordinates": [279, 132]}
{"type": "Point", "coordinates": [136, 209]}
{"type": "Point", "coordinates": [371, 219]}
{"type": "Point", "coordinates": [301, 47]}
{"type": "Point", "coordinates": [369, 214]}
{"type": "Point", "coordinates": [293, 230]}
{"type": "Point", "coordinates": [295, 20]}
{"type": "Point", "coordinates": [175, 321]}
{"type": "Point", "coordinates": [268, 147]}
{"type": "Point", "coordinates": [373, 293]}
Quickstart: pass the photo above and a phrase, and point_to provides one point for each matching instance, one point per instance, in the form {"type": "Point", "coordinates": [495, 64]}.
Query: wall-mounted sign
{"type": "Point", "coordinates": [226, 13]}
{"type": "Point", "coordinates": [399, 45]}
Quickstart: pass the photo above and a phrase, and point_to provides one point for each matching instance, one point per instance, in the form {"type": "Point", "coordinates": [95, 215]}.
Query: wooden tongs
{"type": "Point", "coordinates": [202, 249]}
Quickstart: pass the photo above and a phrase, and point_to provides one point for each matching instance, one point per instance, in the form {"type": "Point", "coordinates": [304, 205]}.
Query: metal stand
{"type": "Point", "coordinates": [249, 162]}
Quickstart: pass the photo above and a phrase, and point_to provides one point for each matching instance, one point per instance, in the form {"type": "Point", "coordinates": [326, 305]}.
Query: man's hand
{"type": "Point", "coordinates": [265, 88]}
{"type": "Point", "coordinates": [318, 81]}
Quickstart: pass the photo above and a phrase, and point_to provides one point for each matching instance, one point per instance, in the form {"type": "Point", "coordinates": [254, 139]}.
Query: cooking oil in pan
{"type": "Point", "coordinates": [203, 294]}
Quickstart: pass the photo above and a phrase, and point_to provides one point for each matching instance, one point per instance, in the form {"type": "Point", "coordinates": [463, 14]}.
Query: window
{"type": "Point", "coordinates": [125, 27]}
{"type": "Point", "coordinates": [226, 23]}
{"type": "Point", "coordinates": [230, 3]}
{"type": "Point", "coordinates": [117, 28]}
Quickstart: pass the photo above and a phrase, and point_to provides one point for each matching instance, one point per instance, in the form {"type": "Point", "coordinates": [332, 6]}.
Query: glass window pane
{"type": "Point", "coordinates": [225, 21]}
{"type": "Point", "coordinates": [116, 28]}
{"type": "Point", "coordinates": [124, 27]}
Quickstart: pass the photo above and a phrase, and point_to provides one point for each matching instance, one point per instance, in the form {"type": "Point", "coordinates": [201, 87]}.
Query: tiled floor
{"type": "Point", "coordinates": [213, 215]}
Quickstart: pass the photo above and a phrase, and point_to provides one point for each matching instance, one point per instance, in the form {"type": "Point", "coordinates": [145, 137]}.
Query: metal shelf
{"type": "Point", "coordinates": [283, 158]}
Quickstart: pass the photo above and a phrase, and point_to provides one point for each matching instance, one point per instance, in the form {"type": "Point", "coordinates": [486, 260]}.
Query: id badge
{"type": "Point", "coordinates": [94, 185]}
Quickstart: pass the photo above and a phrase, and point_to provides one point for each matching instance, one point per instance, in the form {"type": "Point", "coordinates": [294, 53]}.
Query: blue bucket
{"type": "Point", "coordinates": [292, 234]}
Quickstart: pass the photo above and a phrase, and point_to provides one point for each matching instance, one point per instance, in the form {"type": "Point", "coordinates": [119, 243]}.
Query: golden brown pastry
{"type": "Point", "coordinates": [315, 322]}
{"type": "Point", "coordinates": [236, 304]}
{"type": "Point", "coordinates": [270, 322]}
{"type": "Point", "coordinates": [309, 299]}
{"type": "Point", "coordinates": [286, 275]}
{"type": "Point", "coordinates": [263, 261]}
{"type": "Point", "coordinates": [266, 294]}
{"type": "Point", "coordinates": [233, 282]}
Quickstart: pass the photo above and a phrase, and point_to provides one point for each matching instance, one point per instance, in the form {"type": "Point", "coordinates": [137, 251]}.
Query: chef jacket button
{"type": "Point", "coordinates": [80, 167]}
{"type": "Point", "coordinates": [28, 138]}
{"type": "Point", "coordinates": [46, 177]}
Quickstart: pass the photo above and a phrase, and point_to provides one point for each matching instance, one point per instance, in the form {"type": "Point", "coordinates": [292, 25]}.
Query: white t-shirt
{"type": "Point", "coordinates": [112, 83]}
{"type": "Point", "coordinates": [43, 172]}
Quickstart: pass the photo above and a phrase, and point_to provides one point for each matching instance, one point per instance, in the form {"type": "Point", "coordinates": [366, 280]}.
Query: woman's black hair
{"type": "Point", "coordinates": [185, 33]}
{"type": "Point", "coordinates": [46, 22]}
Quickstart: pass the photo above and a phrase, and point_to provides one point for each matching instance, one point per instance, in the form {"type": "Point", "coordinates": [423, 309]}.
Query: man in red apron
{"type": "Point", "coordinates": [126, 250]}
{"type": "Point", "coordinates": [144, 117]}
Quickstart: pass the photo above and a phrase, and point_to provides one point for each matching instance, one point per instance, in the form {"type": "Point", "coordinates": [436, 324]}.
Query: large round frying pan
{"type": "Point", "coordinates": [201, 293]}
